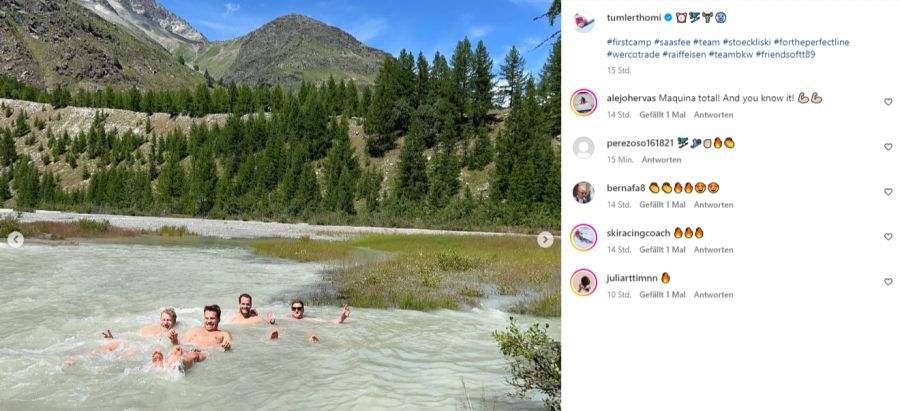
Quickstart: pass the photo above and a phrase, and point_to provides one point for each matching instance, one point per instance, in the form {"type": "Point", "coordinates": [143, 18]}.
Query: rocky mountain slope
{"type": "Point", "coordinates": [52, 42]}
{"type": "Point", "coordinates": [290, 49]}
{"type": "Point", "coordinates": [148, 19]}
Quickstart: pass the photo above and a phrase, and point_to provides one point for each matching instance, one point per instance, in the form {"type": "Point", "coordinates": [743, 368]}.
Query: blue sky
{"type": "Point", "coordinates": [426, 26]}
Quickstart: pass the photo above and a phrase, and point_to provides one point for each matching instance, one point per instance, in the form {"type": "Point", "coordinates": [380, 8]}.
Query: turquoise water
{"type": "Point", "coordinates": [59, 297]}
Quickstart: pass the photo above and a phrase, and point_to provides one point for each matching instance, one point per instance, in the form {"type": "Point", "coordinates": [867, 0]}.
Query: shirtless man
{"type": "Point", "coordinates": [209, 335]}
{"type": "Point", "coordinates": [297, 308]}
{"type": "Point", "coordinates": [166, 327]}
{"type": "Point", "coordinates": [167, 319]}
{"type": "Point", "coordinates": [247, 314]}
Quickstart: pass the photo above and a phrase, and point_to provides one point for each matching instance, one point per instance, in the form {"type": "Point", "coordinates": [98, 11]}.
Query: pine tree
{"type": "Point", "coordinates": [308, 195]}
{"type": "Point", "coordinates": [482, 85]}
{"type": "Point", "coordinates": [21, 125]}
{"type": "Point", "coordinates": [170, 184]}
{"type": "Point", "coordinates": [351, 99]}
{"type": "Point", "coordinates": [341, 171]}
{"type": "Point", "coordinates": [7, 149]}
{"type": "Point", "coordinates": [379, 125]}
{"type": "Point", "coordinates": [203, 182]}
{"type": "Point", "coordinates": [49, 189]}
{"type": "Point", "coordinates": [551, 86]}
{"type": "Point", "coordinates": [423, 83]}
{"type": "Point", "coordinates": [513, 71]}
{"type": "Point", "coordinates": [460, 77]}
{"type": "Point", "coordinates": [406, 85]}
{"type": "Point", "coordinates": [444, 177]}
{"type": "Point", "coordinates": [412, 179]}
{"type": "Point", "coordinates": [482, 152]}
{"type": "Point", "coordinates": [26, 183]}
{"type": "Point", "coordinates": [370, 188]}
{"type": "Point", "coordinates": [5, 194]}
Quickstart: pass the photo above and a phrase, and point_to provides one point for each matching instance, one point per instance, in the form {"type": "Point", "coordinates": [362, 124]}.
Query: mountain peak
{"type": "Point", "coordinates": [295, 47]}
{"type": "Point", "coordinates": [150, 20]}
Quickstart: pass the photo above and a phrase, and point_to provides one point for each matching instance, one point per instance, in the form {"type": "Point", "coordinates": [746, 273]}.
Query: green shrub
{"type": "Point", "coordinates": [93, 225]}
{"type": "Point", "coordinates": [452, 261]}
{"type": "Point", "coordinates": [180, 231]}
{"type": "Point", "coordinates": [8, 225]}
{"type": "Point", "coordinates": [535, 361]}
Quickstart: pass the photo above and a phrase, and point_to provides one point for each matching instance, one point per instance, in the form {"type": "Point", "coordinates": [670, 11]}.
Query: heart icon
{"type": "Point", "coordinates": [888, 281]}
{"type": "Point", "coordinates": [889, 191]}
{"type": "Point", "coordinates": [888, 236]}
{"type": "Point", "coordinates": [888, 146]}
{"type": "Point", "coordinates": [888, 101]}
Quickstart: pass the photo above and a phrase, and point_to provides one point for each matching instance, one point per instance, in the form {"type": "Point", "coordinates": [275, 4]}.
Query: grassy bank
{"type": "Point", "coordinates": [84, 228]}
{"type": "Point", "coordinates": [48, 230]}
{"type": "Point", "coordinates": [429, 272]}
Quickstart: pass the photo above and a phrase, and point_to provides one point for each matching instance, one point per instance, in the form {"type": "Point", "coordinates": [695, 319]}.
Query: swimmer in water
{"type": "Point", "coordinates": [297, 310]}
{"type": "Point", "coordinates": [210, 335]}
{"type": "Point", "coordinates": [248, 315]}
{"type": "Point", "coordinates": [176, 357]}
{"type": "Point", "coordinates": [167, 321]}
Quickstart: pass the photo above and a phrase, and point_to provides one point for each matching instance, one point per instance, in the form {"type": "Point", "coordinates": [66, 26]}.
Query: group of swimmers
{"type": "Point", "coordinates": [209, 335]}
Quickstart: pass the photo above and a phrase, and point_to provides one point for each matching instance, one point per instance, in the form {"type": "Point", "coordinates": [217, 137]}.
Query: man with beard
{"type": "Point", "coordinates": [209, 335]}
{"type": "Point", "coordinates": [248, 315]}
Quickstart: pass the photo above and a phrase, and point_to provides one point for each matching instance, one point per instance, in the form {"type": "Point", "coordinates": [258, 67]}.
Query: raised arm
{"type": "Point", "coordinates": [345, 312]}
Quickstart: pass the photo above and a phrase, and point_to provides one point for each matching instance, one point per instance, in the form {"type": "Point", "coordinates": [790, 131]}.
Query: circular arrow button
{"type": "Point", "coordinates": [15, 239]}
{"type": "Point", "coordinates": [545, 239]}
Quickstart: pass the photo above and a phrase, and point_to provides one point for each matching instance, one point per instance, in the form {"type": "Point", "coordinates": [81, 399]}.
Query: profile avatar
{"type": "Point", "coordinates": [583, 282]}
{"type": "Point", "coordinates": [583, 22]}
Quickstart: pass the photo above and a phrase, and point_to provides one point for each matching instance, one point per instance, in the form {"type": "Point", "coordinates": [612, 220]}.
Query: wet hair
{"type": "Point", "coordinates": [214, 308]}
{"type": "Point", "coordinates": [298, 301]}
{"type": "Point", "coordinates": [585, 281]}
{"type": "Point", "coordinates": [245, 295]}
{"type": "Point", "coordinates": [171, 312]}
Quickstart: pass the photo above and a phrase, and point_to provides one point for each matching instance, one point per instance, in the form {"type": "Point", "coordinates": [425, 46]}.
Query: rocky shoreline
{"type": "Point", "coordinates": [227, 229]}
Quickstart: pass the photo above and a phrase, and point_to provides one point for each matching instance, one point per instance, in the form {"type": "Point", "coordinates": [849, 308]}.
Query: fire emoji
{"type": "Point", "coordinates": [678, 187]}
{"type": "Point", "coordinates": [689, 233]}
{"type": "Point", "coordinates": [729, 142]}
{"type": "Point", "coordinates": [718, 143]}
{"type": "Point", "coordinates": [688, 188]}
{"type": "Point", "coordinates": [654, 188]}
{"type": "Point", "coordinates": [678, 232]}
{"type": "Point", "coordinates": [666, 278]}
{"type": "Point", "coordinates": [698, 233]}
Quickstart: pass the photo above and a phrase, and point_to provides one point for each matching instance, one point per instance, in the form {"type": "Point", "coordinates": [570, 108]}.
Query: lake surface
{"type": "Point", "coordinates": [59, 297]}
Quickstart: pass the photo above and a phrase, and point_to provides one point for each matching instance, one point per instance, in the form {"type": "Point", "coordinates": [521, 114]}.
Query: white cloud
{"type": "Point", "coordinates": [368, 29]}
{"type": "Point", "coordinates": [231, 8]}
{"type": "Point", "coordinates": [476, 32]}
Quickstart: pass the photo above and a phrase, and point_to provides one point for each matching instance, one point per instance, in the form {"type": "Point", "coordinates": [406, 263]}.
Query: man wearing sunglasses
{"type": "Point", "coordinates": [297, 313]}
